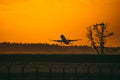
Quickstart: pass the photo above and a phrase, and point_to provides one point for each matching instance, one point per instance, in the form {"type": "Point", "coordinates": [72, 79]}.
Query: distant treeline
{"type": "Point", "coordinates": [44, 47]}
{"type": "Point", "coordinates": [39, 47]}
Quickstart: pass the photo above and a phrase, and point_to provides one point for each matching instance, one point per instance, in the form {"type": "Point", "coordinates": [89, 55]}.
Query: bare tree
{"type": "Point", "coordinates": [98, 34]}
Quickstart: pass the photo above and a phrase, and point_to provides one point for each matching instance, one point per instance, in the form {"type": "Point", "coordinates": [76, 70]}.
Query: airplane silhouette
{"type": "Point", "coordinates": [64, 40]}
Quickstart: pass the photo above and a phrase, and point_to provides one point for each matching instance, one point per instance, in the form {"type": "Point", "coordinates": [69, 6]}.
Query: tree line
{"type": "Point", "coordinates": [39, 47]}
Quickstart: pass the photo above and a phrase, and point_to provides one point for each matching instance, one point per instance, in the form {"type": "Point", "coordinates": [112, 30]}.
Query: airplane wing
{"type": "Point", "coordinates": [57, 40]}
{"type": "Point", "coordinates": [73, 40]}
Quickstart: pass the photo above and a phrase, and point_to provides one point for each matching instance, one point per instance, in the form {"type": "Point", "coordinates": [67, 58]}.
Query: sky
{"type": "Point", "coordinates": [39, 21]}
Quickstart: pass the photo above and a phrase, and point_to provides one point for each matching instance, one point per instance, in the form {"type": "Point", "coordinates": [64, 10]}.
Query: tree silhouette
{"type": "Point", "coordinates": [98, 35]}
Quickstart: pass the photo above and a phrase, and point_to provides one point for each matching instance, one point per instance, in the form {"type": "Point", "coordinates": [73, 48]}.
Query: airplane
{"type": "Point", "coordinates": [64, 40]}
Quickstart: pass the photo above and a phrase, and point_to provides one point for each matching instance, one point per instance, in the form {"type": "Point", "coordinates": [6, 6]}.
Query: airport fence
{"type": "Point", "coordinates": [60, 71]}
{"type": "Point", "coordinates": [59, 67]}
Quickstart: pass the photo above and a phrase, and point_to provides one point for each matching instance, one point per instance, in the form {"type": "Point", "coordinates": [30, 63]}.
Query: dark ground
{"type": "Point", "coordinates": [76, 58]}
{"type": "Point", "coordinates": [59, 67]}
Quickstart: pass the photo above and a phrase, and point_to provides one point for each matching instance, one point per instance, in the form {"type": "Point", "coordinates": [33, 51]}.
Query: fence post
{"type": "Point", "coordinates": [36, 73]}
{"type": "Point", "coordinates": [50, 73]}
{"type": "Point", "coordinates": [23, 73]}
{"type": "Point", "coordinates": [111, 73]}
{"type": "Point", "coordinates": [63, 72]}
{"type": "Point", "coordinates": [8, 72]}
{"type": "Point", "coordinates": [100, 72]}
{"type": "Point", "coordinates": [88, 72]}
{"type": "Point", "coordinates": [76, 75]}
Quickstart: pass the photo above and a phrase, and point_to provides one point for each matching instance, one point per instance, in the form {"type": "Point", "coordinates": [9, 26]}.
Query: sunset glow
{"type": "Point", "coordinates": [39, 21]}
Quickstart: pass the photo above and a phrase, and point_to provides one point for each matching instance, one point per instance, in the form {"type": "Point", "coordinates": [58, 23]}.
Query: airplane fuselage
{"type": "Point", "coordinates": [64, 39]}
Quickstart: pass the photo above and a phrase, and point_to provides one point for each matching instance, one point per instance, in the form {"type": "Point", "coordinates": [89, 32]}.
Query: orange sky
{"type": "Point", "coordinates": [43, 20]}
